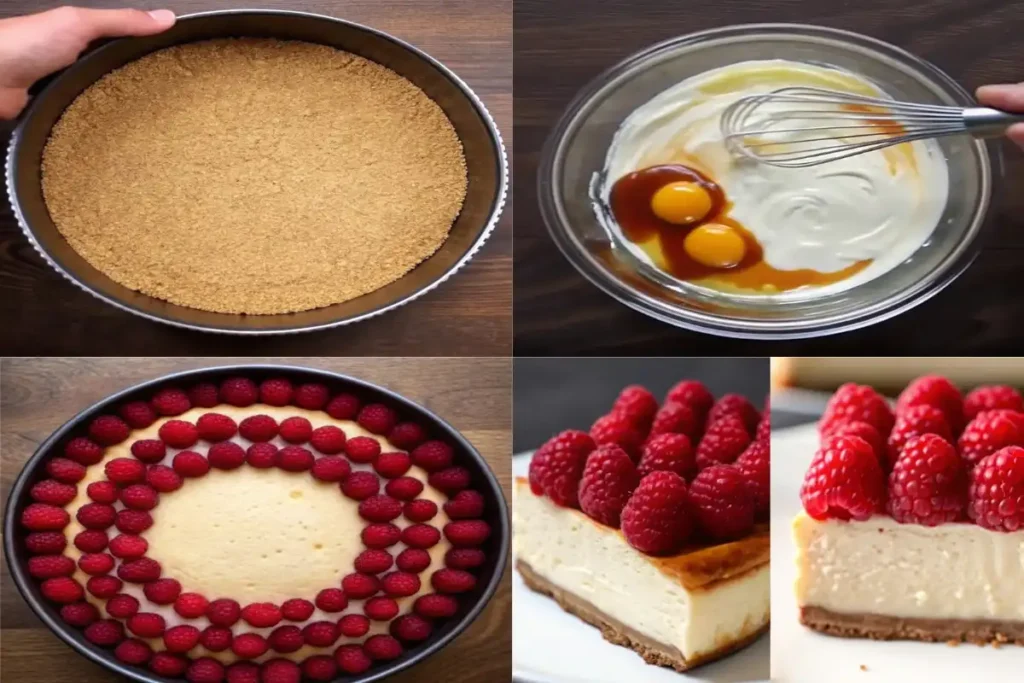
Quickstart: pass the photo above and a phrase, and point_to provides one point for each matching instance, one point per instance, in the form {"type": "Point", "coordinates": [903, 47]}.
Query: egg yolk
{"type": "Point", "coordinates": [681, 203]}
{"type": "Point", "coordinates": [715, 245]}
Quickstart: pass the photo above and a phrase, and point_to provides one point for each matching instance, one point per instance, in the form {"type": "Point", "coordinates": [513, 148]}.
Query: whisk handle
{"type": "Point", "coordinates": [984, 122]}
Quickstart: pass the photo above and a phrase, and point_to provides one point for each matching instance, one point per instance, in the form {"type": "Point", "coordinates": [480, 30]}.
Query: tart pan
{"type": "Point", "coordinates": [470, 606]}
{"type": "Point", "coordinates": [486, 165]}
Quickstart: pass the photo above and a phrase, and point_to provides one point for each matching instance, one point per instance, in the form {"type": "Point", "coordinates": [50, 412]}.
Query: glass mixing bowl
{"type": "Point", "coordinates": [575, 155]}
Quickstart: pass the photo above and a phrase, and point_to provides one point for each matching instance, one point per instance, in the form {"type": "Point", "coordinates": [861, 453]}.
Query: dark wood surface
{"type": "Point", "coordinates": [38, 395]}
{"type": "Point", "coordinates": [470, 315]}
{"type": "Point", "coordinates": [561, 44]}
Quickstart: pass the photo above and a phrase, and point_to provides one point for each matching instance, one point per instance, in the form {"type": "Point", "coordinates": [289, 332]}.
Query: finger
{"type": "Point", "coordinates": [1006, 96]}
{"type": "Point", "coordinates": [12, 101]}
{"type": "Point", "coordinates": [1016, 133]}
{"type": "Point", "coordinates": [109, 23]}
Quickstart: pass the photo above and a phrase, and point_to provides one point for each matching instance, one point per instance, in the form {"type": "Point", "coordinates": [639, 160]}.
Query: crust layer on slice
{"type": "Point", "coordinates": [879, 627]}
{"type": "Point", "coordinates": [618, 633]}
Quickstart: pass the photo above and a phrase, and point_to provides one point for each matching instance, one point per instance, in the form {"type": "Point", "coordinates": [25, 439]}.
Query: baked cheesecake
{"type": "Point", "coordinates": [265, 527]}
{"type": "Point", "coordinates": [651, 527]}
{"type": "Point", "coordinates": [913, 522]}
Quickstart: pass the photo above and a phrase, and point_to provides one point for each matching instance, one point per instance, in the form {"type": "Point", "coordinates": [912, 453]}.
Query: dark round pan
{"type": "Point", "coordinates": [486, 165]}
{"type": "Point", "coordinates": [471, 605]}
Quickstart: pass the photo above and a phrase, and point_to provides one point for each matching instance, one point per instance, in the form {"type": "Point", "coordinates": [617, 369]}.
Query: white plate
{"type": "Point", "coordinates": [551, 646]}
{"type": "Point", "coordinates": [800, 655]}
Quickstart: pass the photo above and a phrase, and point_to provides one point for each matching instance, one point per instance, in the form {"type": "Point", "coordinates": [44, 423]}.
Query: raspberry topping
{"type": "Point", "coordinates": [693, 394]}
{"type": "Point", "coordinates": [191, 605]}
{"type": "Point", "coordinates": [452, 581]}
{"type": "Point", "coordinates": [105, 632]}
{"type": "Point", "coordinates": [407, 435]}
{"type": "Point", "coordinates": [262, 614]}
{"type": "Point", "coordinates": [133, 652]}
{"type": "Point", "coordinates": [351, 659]}
{"type": "Point", "coordinates": [362, 449]}
{"type": "Point", "coordinates": [343, 407]}
{"type": "Point", "coordinates": [377, 418]}
{"type": "Point", "coordinates": [433, 456]}
{"type": "Point", "coordinates": [557, 467]}
{"type": "Point", "coordinates": [226, 455]}
{"type": "Point", "coordinates": [420, 510]}
{"type": "Point", "coordinates": [670, 453]}
{"type": "Point", "coordinates": [107, 587]}
{"type": "Point", "coordinates": [170, 402]}
{"type": "Point", "coordinates": [723, 442]}
{"type": "Point", "coordinates": [319, 668]}
{"type": "Point", "coordinates": [139, 497]}
{"type": "Point", "coordinates": [79, 614]}
{"type": "Point", "coordinates": [451, 480]}
{"type": "Point", "coordinates": [864, 431]}
{"type": "Point", "coordinates": [122, 606]}
{"type": "Point", "coordinates": [755, 468]}
{"type": "Point", "coordinates": [205, 670]}
{"type": "Point", "coordinates": [258, 428]}
{"type": "Point", "coordinates": [107, 430]}
{"type": "Point", "coordinates": [928, 483]}
{"type": "Point", "coordinates": [656, 520]}
{"type": "Point", "coordinates": [190, 464]}
{"type": "Point", "coordinates": [223, 612]}
{"type": "Point", "coordinates": [320, 633]}
{"type": "Point", "coordinates": [465, 505]}
{"type": "Point", "coordinates": [400, 584]}
{"type": "Point", "coordinates": [163, 479]}
{"type": "Point", "coordinates": [996, 496]}
{"type": "Point", "coordinates": [181, 638]}
{"type": "Point", "coordinates": [328, 439]}
{"type": "Point", "coordinates": [404, 488]}
{"type": "Point", "coordinates": [142, 570]}
{"type": "Point", "coordinates": [411, 628]}
{"type": "Point", "coordinates": [91, 541]}
{"type": "Point", "coordinates": [994, 397]}
{"type": "Point", "coordinates": [736, 406]}
{"type": "Point", "coordinates": [239, 391]}
{"type": "Point", "coordinates": [295, 430]}
{"type": "Point", "coordinates": [287, 638]}
{"type": "Point", "coordinates": [435, 606]}
{"type": "Point", "coordinates": [420, 536]}
{"type": "Point", "coordinates": [354, 625]}
{"type": "Point", "coordinates": [989, 432]}
{"type": "Point", "coordinates": [637, 405]}
{"type": "Point", "coordinates": [179, 434]}
{"type": "Point", "coordinates": [381, 608]}
{"type": "Point", "coordinates": [149, 450]}
{"type": "Point", "coordinates": [844, 481]}
{"type": "Point", "coordinates": [261, 455]}
{"type": "Point", "coordinates": [360, 485]}
{"type": "Point", "coordinates": [42, 517]}
{"type": "Point", "coordinates": [95, 563]}
{"type": "Point", "coordinates": [215, 427]}
{"type": "Point", "coordinates": [464, 558]}
{"type": "Point", "coordinates": [64, 470]}
{"type": "Point", "coordinates": [937, 392]}
{"type": "Point", "coordinates": [96, 515]}
{"type": "Point", "coordinates": [722, 502]}
{"type": "Point", "coordinates": [124, 471]}
{"type": "Point", "coordinates": [276, 391]}
{"type": "Point", "coordinates": [46, 543]}
{"type": "Point", "coordinates": [620, 430]}
{"type": "Point", "coordinates": [83, 451]}
{"type": "Point", "coordinates": [391, 465]}
{"type": "Point", "coordinates": [53, 492]}
{"type": "Point", "coordinates": [331, 600]}
{"type": "Point", "coordinates": [413, 560]}
{"type": "Point", "coordinates": [166, 664]}
{"type": "Point", "coordinates": [280, 671]}
{"type": "Point", "coordinates": [203, 395]}
{"type": "Point", "coordinates": [331, 468]}
{"type": "Point", "coordinates": [163, 591]}
{"type": "Point", "coordinates": [311, 396]}
{"type": "Point", "coordinates": [147, 625]}
{"type": "Point", "coordinates": [382, 647]}
{"type": "Point", "coordinates": [297, 609]}
{"type": "Point", "coordinates": [133, 521]}
{"type": "Point", "coordinates": [677, 418]}
{"type": "Point", "coordinates": [857, 403]}
{"type": "Point", "coordinates": [358, 586]}
{"type": "Point", "coordinates": [249, 645]}
{"type": "Point", "coordinates": [914, 421]}
{"type": "Point", "coordinates": [49, 566]}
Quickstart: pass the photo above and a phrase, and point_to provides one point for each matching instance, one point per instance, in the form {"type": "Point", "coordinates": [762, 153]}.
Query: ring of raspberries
{"type": "Point", "coordinates": [688, 469]}
{"type": "Point", "coordinates": [938, 457]}
{"type": "Point", "coordinates": [100, 593]}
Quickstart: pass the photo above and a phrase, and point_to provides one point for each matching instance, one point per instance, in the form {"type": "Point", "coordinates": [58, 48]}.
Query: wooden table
{"type": "Point", "coordinates": [470, 314]}
{"type": "Point", "coordinates": [38, 395]}
{"type": "Point", "coordinates": [562, 44]}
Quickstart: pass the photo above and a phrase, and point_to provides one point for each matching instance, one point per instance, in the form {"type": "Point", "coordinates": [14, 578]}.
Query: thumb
{"type": "Point", "coordinates": [110, 23]}
{"type": "Point", "coordinates": [1006, 96]}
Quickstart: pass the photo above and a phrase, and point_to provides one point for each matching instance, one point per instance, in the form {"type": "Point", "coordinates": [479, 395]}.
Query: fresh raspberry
{"type": "Point", "coordinates": [637, 405]}
{"type": "Point", "coordinates": [452, 581]}
{"type": "Point", "coordinates": [407, 435]}
{"type": "Point", "coordinates": [677, 418]}
{"type": "Point", "coordinates": [989, 432]}
{"type": "Point", "coordinates": [411, 628]}
{"type": "Point", "coordinates": [258, 428]}
{"type": "Point", "coordinates": [215, 427]}
{"type": "Point", "coordinates": [620, 430]}
{"type": "Point", "coordinates": [297, 609]}
{"type": "Point", "coordinates": [261, 614]}
{"type": "Point", "coordinates": [996, 497]}
{"type": "Point", "coordinates": [381, 608]}
{"type": "Point", "coordinates": [668, 452]}
{"type": "Point", "coordinates": [261, 455]}
{"type": "Point", "coordinates": [311, 396]}
{"type": "Point", "coordinates": [864, 431]}
{"type": "Point", "coordinates": [46, 543]}
{"type": "Point", "coordinates": [105, 632]}
{"type": "Point", "coordinates": [473, 532]}
{"type": "Point", "coordinates": [102, 492]}
{"type": "Point", "coordinates": [64, 470]}
{"type": "Point", "coordinates": [451, 480]}
{"type": "Point", "coordinates": [404, 488]}
{"type": "Point", "coordinates": [420, 510]}
{"type": "Point", "coordinates": [139, 497]}
{"type": "Point", "coordinates": [377, 418]}
{"type": "Point", "coordinates": [692, 394]}
{"type": "Point", "coordinates": [96, 515]}
{"type": "Point", "coordinates": [149, 450]}
{"type": "Point", "coordinates": [133, 521]}
{"type": "Point", "coordinates": [928, 483]}
{"type": "Point", "coordinates": [982, 399]}
{"type": "Point", "coordinates": [413, 560]}
{"type": "Point", "coordinates": [755, 468]}
{"type": "Point", "coordinates": [360, 485]}
{"type": "Point", "coordinates": [362, 449]}
{"type": "Point", "coordinates": [464, 558]}
{"type": "Point", "coordinates": [239, 391]}
{"type": "Point", "coordinates": [328, 439]}
{"type": "Point", "coordinates": [857, 403]}
{"type": "Point", "coordinates": [656, 520]}
{"type": "Point", "coordinates": [163, 479]}
{"type": "Point", "coordinates": [723, 442]}
{"type": "Point", "coordinates": [380, 535]}
{"type": "Point", "coordinates": [49, 566]}
{"type": "Point", "coordinates": [331, 600]}
{"type": "Point", "coordinates": [107, 430]}
{"type": "Point", "coordinates": [179, 434]}
{"type": "Point", "coordinates": [223, 612]}
{"type": "Point", "coordinates": [142, 570]}
{"type": "Point", "coordinates": [216, 638]}
{"type": "Point", "coordinates": [166, 664]}
{"type": "Point", "coordinates": [91, 541]}
{"type": "Point", "coordinates": [226, 455]}
{"type": "Point", "coordinates": [42, 517]}
{"type": "Point", "coordinates": [181, 638]}
{"type": "Point", "coordinates": [435, 606]}
{"type": "Point", "coordinates": [280, 671]}
{"type": "Point", "coordinates": [382, 648]}
{"type": "Point", "coordinates": [286, 638]}
{"type": "Point", "coordinates": [83, 451]}
{"type": "Point", "coordinates": [53, 492]}
{"type": "Point", "coordinates": [133, 651]}
{"type": "Point", "coordinates": [358, 586]}
{"type": "Point", "coordinates": [467, 504]}
{"type": "Point", "coordinates": [764, 427]}
{"type": "Point", "coordinates": [911, 422]}
{"type": "Point", "coordinates": [295, 430]}
{"type": "Point", "coordinates": [319, 668]}
{"type": "Point", "coordinates": [128, 547]}
{"type": "Point", "coordinates": [373, 561]}
{"type": "Point", "coordinates": [105, 587]}
{"type": "Point", "coordinates": [844, 481]}
{"type": "Point", "coordinates": [170, 402]}
{"type": "Point", "coordinates": [343, 407]}
{"type": "Point", "coordinates": [138, 414]}
{"type": "Point", "coordinates": [191, 605]}
{"type": "Point", "coordinates": [190, 464]}
{"type": "Point", "coordinates": [294, 459]}
{"type": "Point", "coordinates": [276, 391]}
{"type": "Point", "coordinates": [722, 503]}
{"type": "Point", "coordinates": [938, 392]}
{"type": "Point", "coordinates": [95, 564]}
{"type": "Point", "coordinates": [205, 670]}
{"type": "Point", "coordinates": [391, 465]}
{"type": "Point", "coordinates": [736, 406]}
{"type": "Point", "coordinates": [122, 606]}
{"type": "Point", "coordinates": [124, 471]}
{"type": "Point", "coordinates": [203, 395]}
{"type": "Point", "coordinates": [79, 614]}
{"type": "Point", "coordinates": [351, 659]}
{"type": "Point", "coordinates": [354, 625]}
{"type": "Point", "coordinates": [433, 456]}
{"type": "Point", "coordinates": [320, 633]}
{"type": "Point", "coordinates": [331, 468]}
{"type": "Point", "coordinates": [162, 591]}
{"type": "Point", "coordinates": [147, 625]}
{"type": "Point", "coordinates": [249, 645]}
{"type": "Point", "coordinates": [400, 584]}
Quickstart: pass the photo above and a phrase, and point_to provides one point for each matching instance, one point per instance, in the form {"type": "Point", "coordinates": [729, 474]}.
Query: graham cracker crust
{"type": "Point", "coordinates": [618, 633]}
{"type": "Point", "coordinates": [878, 627]}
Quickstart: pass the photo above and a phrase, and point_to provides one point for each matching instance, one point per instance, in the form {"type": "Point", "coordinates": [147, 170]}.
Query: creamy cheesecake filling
{"type": "Point", "coordinates": [879, 566]}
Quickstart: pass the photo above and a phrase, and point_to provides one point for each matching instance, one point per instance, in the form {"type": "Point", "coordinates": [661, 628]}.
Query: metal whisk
{"type": "Point", "coordinates": [798, 127]}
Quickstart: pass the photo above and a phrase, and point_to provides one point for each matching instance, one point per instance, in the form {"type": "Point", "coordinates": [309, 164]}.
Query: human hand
{"type": "Point", "coordinates": [1008, 97]}
{"type": "Point", "coordinates": [36, 45]}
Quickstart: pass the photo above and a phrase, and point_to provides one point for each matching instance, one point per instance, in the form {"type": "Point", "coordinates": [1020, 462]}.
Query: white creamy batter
{"type": "Point", "coordinates": [882, 205]}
